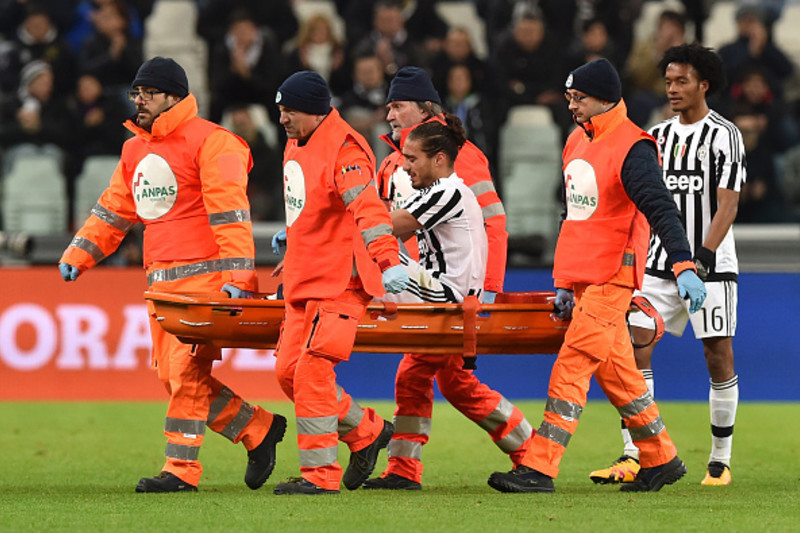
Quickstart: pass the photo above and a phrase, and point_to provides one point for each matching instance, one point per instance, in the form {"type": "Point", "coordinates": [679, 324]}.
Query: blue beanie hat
{"type": "Point", "coordinates": [164, 74]}
{"type": "Point", "coordinates": [412, 84]}
{"type": "Point", "coordinates": [305, 91]}
{"type": "Point", "coordinates": [597, 78]}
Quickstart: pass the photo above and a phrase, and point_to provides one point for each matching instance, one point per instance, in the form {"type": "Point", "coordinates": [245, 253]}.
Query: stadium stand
{"type": "Point", "coordinates": [34, 196]}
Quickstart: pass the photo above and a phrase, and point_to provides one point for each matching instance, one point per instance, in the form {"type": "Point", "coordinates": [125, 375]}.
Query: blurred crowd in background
{"type": "Point", "coordinates": [65, 67]}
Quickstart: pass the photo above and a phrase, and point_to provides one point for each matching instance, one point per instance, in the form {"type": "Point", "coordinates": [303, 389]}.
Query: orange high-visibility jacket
{"type": "Point", "coordinates": [471, 166]}
{"type": "Point", "coordinates": [334, 217]}
{"type": "Point", "coordinates": [186, 182]}
{"type": "Point", "coordinates": [602, 221]}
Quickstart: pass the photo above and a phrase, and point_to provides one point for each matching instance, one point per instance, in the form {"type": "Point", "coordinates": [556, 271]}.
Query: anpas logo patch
{"type": "Point", "coordinates": [294, 190]}
{"type": "Point", "coordinates": [582, 193]}
{"type": "Point", "coordinates": [154, 187]}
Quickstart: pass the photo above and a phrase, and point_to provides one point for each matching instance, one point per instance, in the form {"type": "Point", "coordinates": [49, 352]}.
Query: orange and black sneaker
{"type": "Point", "coordinates": [717, 474]}
{"type": "Point", "coordinates": [623, 470]}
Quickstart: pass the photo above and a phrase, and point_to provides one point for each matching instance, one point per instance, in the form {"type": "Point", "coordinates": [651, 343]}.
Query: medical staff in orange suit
{"type": "Point", "coordinates": [185, 179]}
{"type": "Point", "coordinates": [412, 100]}
{"type": "Point", "coordinates": [612, 189]}
{"type": "Point", "coordinates": [340, 253]}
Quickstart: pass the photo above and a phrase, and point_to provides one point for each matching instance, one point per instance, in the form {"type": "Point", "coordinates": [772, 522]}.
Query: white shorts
{"type": "Point", "coordinates": [423, 287]}
{"type": "Point", "coordinates": [717, 317]}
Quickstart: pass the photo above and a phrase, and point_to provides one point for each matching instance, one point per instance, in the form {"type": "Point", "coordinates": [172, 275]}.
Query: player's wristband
{"type": "Point", "coordinates": [704, 260]}
{"type": "Point", "coordinates": [682, 266]}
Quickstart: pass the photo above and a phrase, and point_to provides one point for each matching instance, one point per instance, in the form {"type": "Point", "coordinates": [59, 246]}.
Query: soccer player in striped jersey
{"type": "Point", "coordinates": [704, 168]}
{"type": "Point", "coordinates": [447, 220]}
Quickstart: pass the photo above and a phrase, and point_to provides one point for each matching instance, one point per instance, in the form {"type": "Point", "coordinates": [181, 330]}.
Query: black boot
{"type": "Point", "coordinates": [392, 482]}
{"type": "Point", "coordinates": [652, 479]}
{"type": "Point", "coordinates": [261, 459]}
{"type": "Point", "coordinates": [164, 482]}
{"type": "Point", "coordinates": [362, 462]}
{"type": "Point", "coordinates": [521, 479]}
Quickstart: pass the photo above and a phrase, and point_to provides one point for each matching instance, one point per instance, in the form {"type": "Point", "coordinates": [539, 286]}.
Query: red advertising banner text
{"type": "Point", "coordinates": [90, 340]}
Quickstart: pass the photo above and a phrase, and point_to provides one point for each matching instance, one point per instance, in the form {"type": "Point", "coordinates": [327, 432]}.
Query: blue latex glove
{"type": "Point", "coordinates": [488, 297]}
{"type": "Point", "coordinates": [691, 286]}
{"type": "Point", "coordinates": [278, 242]}
{"type": "Point", "coordinates": [395, 279]}
{"type": "Point", "coordinates": [68, 272]}
{"type": "Point", "coordinates": [565, 303]}
{"type": "Point", "coordinates": [236, 292]}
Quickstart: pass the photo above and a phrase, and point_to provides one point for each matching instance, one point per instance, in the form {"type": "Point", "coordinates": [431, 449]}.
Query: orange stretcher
{"type": "Point", "coordinates": [517, 323]}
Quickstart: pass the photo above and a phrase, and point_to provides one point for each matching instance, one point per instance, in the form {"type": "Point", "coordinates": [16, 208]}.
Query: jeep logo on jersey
{"type": "Point", "coordinates": [154, 186]}
{"type": "Point", "coordinates": [683, 183]}
{"type": "Point", "coordinates": [294, 190]}
{"type": "Point", "coordinates": [581, 184]}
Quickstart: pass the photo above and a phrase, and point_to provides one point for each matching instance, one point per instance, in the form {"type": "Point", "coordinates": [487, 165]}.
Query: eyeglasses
{"type": "Point", "coordinates": [146, 96]}
{"type": "Point", "coordinates": [575, 98]}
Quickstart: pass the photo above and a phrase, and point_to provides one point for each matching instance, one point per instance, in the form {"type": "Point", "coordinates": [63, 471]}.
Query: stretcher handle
{"type": "Point", "coordinates": [471, 308]}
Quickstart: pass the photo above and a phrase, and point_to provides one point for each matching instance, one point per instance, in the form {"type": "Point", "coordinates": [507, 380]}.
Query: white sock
{"type": "Point", "coordinates": [630, 448]}
{"type": "Point", "coordinates": [723, 399]}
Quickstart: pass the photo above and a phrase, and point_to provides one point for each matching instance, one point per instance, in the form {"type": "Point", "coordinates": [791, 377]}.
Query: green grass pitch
{"type": "Point", "coordinates": [73, 467]}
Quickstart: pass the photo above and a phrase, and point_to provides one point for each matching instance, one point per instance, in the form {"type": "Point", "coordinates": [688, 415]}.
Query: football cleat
{"type": "Point", "coordinates": [623, 470]}
{"type": "Point", "coordinates": [717, 474]}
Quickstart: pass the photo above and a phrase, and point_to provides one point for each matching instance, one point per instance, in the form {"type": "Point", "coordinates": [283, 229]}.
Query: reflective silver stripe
{"type": "Point", "coordinates": [235, 426]}
{"type": "Point", "coordinates": [352, 193]}
{"type": "Point", "coordinates": [229, 217]}
{"type": "Point", "coordinates": [628, 259]}
{"type": "Point", "coordinates": [183, 452]}
{"type": "Point", "coordinates": [417, 425]}
{"type": "Point", "coordinates": [369, 235]}
{"type": "Point", "coordinates": [493, 210]}
{"type": "Point", "coordinates": [89, 247]}
{"type": "Point", "coordinates": [636, 406]}
{"type": "Point", "coordinates": [339, 392]}
{"type": "Point", "coordinates": [352, 419]}
{"type": "Point", "coordinates": [112, 219]}
{"type": "Point", "coordinates": [482, 187]}
{"type": "Point", "coordinates": [316, 425]}
{"type": "Point", "coordinates": [225, 395]}
{"type": "Point", "coordinates": [203, 267]}
{"type": "Point", "coordinates": [650, 430]}
{"type": "Point", "coordinates": [567, 410]}
{"type": "Point", "coordinates": [404, 448]}
{"type": "Point", "coordinates": [181, 425]}
{"type": "Point", "coordinates": [516, 438]}
{"type": "Point", "coordinates": [500, 415]}
{"type": "Point", "coordinates": [554, 433]}
{"type": "Point", "coordinates": [318, 457]}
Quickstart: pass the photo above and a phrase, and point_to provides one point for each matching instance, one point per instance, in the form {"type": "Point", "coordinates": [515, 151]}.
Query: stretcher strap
{"type": "Point", "coordinates": [643, 305]}
{"type": "Point", "coordinates": [471, 307]}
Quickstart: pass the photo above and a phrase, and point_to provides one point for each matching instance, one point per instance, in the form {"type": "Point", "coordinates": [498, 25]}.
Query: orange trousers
{"type": "Point", "coordinates": [504, 422]}
{"type": "Point", "coordinates": [316, 336]}
{"type": "Point", "coordinates": [196, 399]}
{"type": "Point", "coordinates": [598, 344]}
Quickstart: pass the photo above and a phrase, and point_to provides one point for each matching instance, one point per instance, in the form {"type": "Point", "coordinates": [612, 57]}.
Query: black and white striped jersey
{"type": "Point", "coordinates": [452, 243]}
{"type": "Point", "coordinates": [698, 159]}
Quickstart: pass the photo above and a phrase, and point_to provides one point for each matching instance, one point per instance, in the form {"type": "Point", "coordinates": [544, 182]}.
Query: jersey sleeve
{"type": "Point", "coordinates": [729, 159]}
{"type": "Point", "coordinates": [111, 218]}
{"type": "Point", "coordinates": [224, 162]}
{"type": "Point", "coordinates": [473, 167]}
{"type": "Point", "coordinates": [354, 182]}
{"type": "Point", "coordinates": [436, 207]}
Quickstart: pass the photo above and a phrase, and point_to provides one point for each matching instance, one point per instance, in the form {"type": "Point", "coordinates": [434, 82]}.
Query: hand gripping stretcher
{"type": "Point", "coordinates": [517, 323]}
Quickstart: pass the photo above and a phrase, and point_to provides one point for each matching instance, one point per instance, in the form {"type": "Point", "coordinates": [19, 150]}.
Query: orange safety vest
{"type": "Point", "coordinates": [186, 182]}
{"type": "Point", "coordinates": [472, 167]}
{"type": "Point", "coordinates": [602, 221]}
{"type": "Point", "coordinates": [324, 234]}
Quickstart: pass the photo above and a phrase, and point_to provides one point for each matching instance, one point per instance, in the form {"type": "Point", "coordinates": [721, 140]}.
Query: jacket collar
{"type": "Point", "coordinates": [168, 121]}
{"type": "Point", "coordinates": [601, 125]}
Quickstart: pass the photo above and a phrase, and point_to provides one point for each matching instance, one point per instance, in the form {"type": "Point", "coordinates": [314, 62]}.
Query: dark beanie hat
{"type": "Point", "coordinates": [597, 78]}
{"type": "Point", "coordinates": [412, 84]}
{"type": "Point", "coordinates": [164, 74]}
{"type": "Point", "coordinates": [305, 91]}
